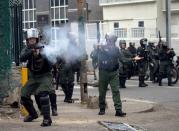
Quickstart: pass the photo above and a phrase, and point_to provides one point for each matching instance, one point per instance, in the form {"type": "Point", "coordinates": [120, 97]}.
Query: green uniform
{"type": "Point", "coordinates": [108, 57]}
{"type": "Point", "coordinates": [39, 82]}
{"type": "Point", "coordinates": [125, 62]}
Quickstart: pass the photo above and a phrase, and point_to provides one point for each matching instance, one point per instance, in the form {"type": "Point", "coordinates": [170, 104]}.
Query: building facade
{"type": "Point", "coordinates": [55, 13]}
{"type": "Point", "coordinates": [139, 18]}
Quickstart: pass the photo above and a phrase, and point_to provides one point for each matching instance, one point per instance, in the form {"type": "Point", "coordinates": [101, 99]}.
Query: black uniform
{"type": "Point", "coordinates": [143, 63]}
{"type": "Point", "coordinates": [153, 61]}
{"type": "Point", "coordinates": [165, 56]}
{"type": "Point", "coordinates": [132, 50]}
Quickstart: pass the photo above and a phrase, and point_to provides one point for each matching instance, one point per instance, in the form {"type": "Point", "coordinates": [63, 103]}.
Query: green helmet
{"type": "Point", "coordinates": [122, 42]}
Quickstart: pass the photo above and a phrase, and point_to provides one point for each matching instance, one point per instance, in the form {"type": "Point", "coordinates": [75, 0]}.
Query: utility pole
{"type": "Point", "coordinates": [168, 22]}
{"type": "Point", "coordinates": [83, 71]}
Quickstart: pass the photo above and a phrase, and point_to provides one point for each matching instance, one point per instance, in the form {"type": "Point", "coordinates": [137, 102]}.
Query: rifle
{"type": "Point", "coordinates": [37, 47]}
{"type": "Point", "coordinates": [160, 38]}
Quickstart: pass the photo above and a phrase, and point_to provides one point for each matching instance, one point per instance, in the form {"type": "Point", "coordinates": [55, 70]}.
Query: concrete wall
{"type": "Point", "coordinates": [130, 11]}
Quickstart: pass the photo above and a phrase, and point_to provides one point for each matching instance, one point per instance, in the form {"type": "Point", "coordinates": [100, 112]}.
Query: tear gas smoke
{"type": "Point", "coordinates": [61, 44]}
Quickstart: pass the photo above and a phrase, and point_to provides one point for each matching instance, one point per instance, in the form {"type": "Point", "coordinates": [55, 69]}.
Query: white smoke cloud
{"type": "Point", "coordinates": [60, 46]}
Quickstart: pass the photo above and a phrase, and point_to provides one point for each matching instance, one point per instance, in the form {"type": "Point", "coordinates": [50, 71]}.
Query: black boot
{"type": "Point", "coordinates": [44, 100]}
{"type": "Point", "coordinates": [53, 101]}
{"type": "Point", "coordinates": [120, 114]}
{"type": "Point", "coordinates": [122, 81]}
{"type": "Point", "coordinates": [169, 81]}
{"type": "Point", "coordinates": [46, 122]}
{"type": "Point", "coordinates": [69, 93]}
{"type": "Point", "coordinates": [141, 82]}
{"type": "Point", "coordinates": [28, 104]}
{"type": "Point", "coordinates": [101, 112]}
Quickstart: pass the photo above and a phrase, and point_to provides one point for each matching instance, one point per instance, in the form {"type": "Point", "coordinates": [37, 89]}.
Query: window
{"type": "Point", "coordinates": [116, 25]}
{"type": "Point", "coordinates": [29, 14]}
{"type": "Point", "coordinates": [58, 12]}
{"type": "Point", "coordinates": [141, 24]}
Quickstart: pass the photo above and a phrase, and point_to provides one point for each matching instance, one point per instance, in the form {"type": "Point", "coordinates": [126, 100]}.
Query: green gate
{"type": "Point", "coordinates": [5, 51]}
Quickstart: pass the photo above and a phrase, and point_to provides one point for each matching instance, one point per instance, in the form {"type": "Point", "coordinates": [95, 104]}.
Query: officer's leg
{"type": "Point", "coordinates": [45, 107]}
{"type": "Point", "coordinates": [122, 80]}
{"type": "Point", "coordinates": [78, 75]}
{"type": "Point", "coordinates": [26, 101]}
{"type": "Point", "coordinates": [37, 99]}
{"type": "Point", "coordinates": [103, 84]}
{"type": "Point", "coordinates": [53, 101]}
{"type": "Point", "coordinates": [70, 92]}
{"type": "Point", "coordinates": [161, 73]}
{"type": "Point", "coordinates": [65, 90]}
{"type": "Point", "coordinates": [169, 75]}
{"type": "Point", "coordinates": [142, 76]}
{"type": "Point", "coordinates": [114, 83]}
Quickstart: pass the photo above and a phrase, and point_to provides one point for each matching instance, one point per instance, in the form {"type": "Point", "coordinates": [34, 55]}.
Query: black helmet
{"type": "Point", "coordinates": [151, 44]}
{"type": "Point", "coordinates": [122, 42]}
{"type": "Point", "coordinates": [164, 44]}
{"type": "Point", "coordinates": [131, 44]}
{"type": "Point", "coordinates": [143, 42]}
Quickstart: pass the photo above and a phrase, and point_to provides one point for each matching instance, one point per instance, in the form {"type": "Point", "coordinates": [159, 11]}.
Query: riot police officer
{"type": "Point", "coordinates": [52, 93]}
{"type": "Point", "coordinates": [143, 63]}
{"type": "Point", "coordinates": [132, 49]}
{"type": "Point", "coordinates": [125, 63]}
{"type": "Point", "coordinates": [67, 64]}
{"type": "Point", "coordinates": [153, 61]}
{"type": "Point", "coordinates": [39, 81]}
{"type": "Point", "coordinates": [108, 56]}
{"type": "Point", "coordinates": [165, 57]}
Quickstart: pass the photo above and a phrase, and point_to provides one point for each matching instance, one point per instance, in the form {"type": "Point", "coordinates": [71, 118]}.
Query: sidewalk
{"type": "Point", "coordinates": [76, 117]}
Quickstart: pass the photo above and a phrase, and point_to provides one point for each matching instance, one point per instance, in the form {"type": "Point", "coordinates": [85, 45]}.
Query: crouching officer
{"type": "Point", "coordinates": [39, 81]}
{"type": "Point", "coordinates": [125, 62]}
{"type": "Point", "coordinates": [108, 56]}
{"type": "Point", "coordinates": [165, 57]}
{"type": "Point", "coordinates": [143, 63]}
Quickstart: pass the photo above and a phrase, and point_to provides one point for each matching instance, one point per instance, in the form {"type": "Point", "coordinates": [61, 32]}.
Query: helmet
{"type": "Point", "coordinates": [164, 44]}
{"type": "Point", "coordinates": [143, 42]}
{"type": "Point", "coordinates": [151, 44]}
{"type": "Point", "coordinates": [32, 33]}
{"type": "Point", "coordinates": [122, 42]}
{"type": "Point", "coordinates": [111, 39]}
{"type": "Point", "coordinates": [131, 44]}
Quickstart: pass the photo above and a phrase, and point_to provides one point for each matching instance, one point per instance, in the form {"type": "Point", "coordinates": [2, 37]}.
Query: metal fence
{"type": "Point", "coordinates": [125, 33]}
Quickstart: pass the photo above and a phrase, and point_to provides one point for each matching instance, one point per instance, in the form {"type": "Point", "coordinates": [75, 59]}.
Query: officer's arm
{"type": "Point", "coordinates": [25, 54]}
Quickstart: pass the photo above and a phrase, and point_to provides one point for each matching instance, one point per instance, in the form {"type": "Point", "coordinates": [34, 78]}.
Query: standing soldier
{"type": "Point", "coordinates": [165, 57]}
{"type": "Point", "coordinates": [143, 63]}
{"type": "Point", "coordinates": [71, 56]}
{"type": "Point", "coordinates": [40, 80]}
{"type": "Point", "coordinates": [124, 63]}
{"type": "Point", "coordinates": [108, 56]}
{"type": "Point", "coordinates": [132, 49]}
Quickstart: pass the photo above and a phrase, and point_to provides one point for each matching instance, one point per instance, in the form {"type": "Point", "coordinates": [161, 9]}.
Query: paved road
{"type": "Point", "coordinates": [73, 117]}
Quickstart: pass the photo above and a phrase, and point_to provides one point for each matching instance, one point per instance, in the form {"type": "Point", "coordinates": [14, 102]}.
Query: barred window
{"type": "Point", "coordinates": [29, 14]}
{"type": "Point", "coordinates": [58, 9]}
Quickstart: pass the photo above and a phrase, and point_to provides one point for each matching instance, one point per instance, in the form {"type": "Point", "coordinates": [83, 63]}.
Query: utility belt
{"type": "Point", "coordinates": [111, 69]}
